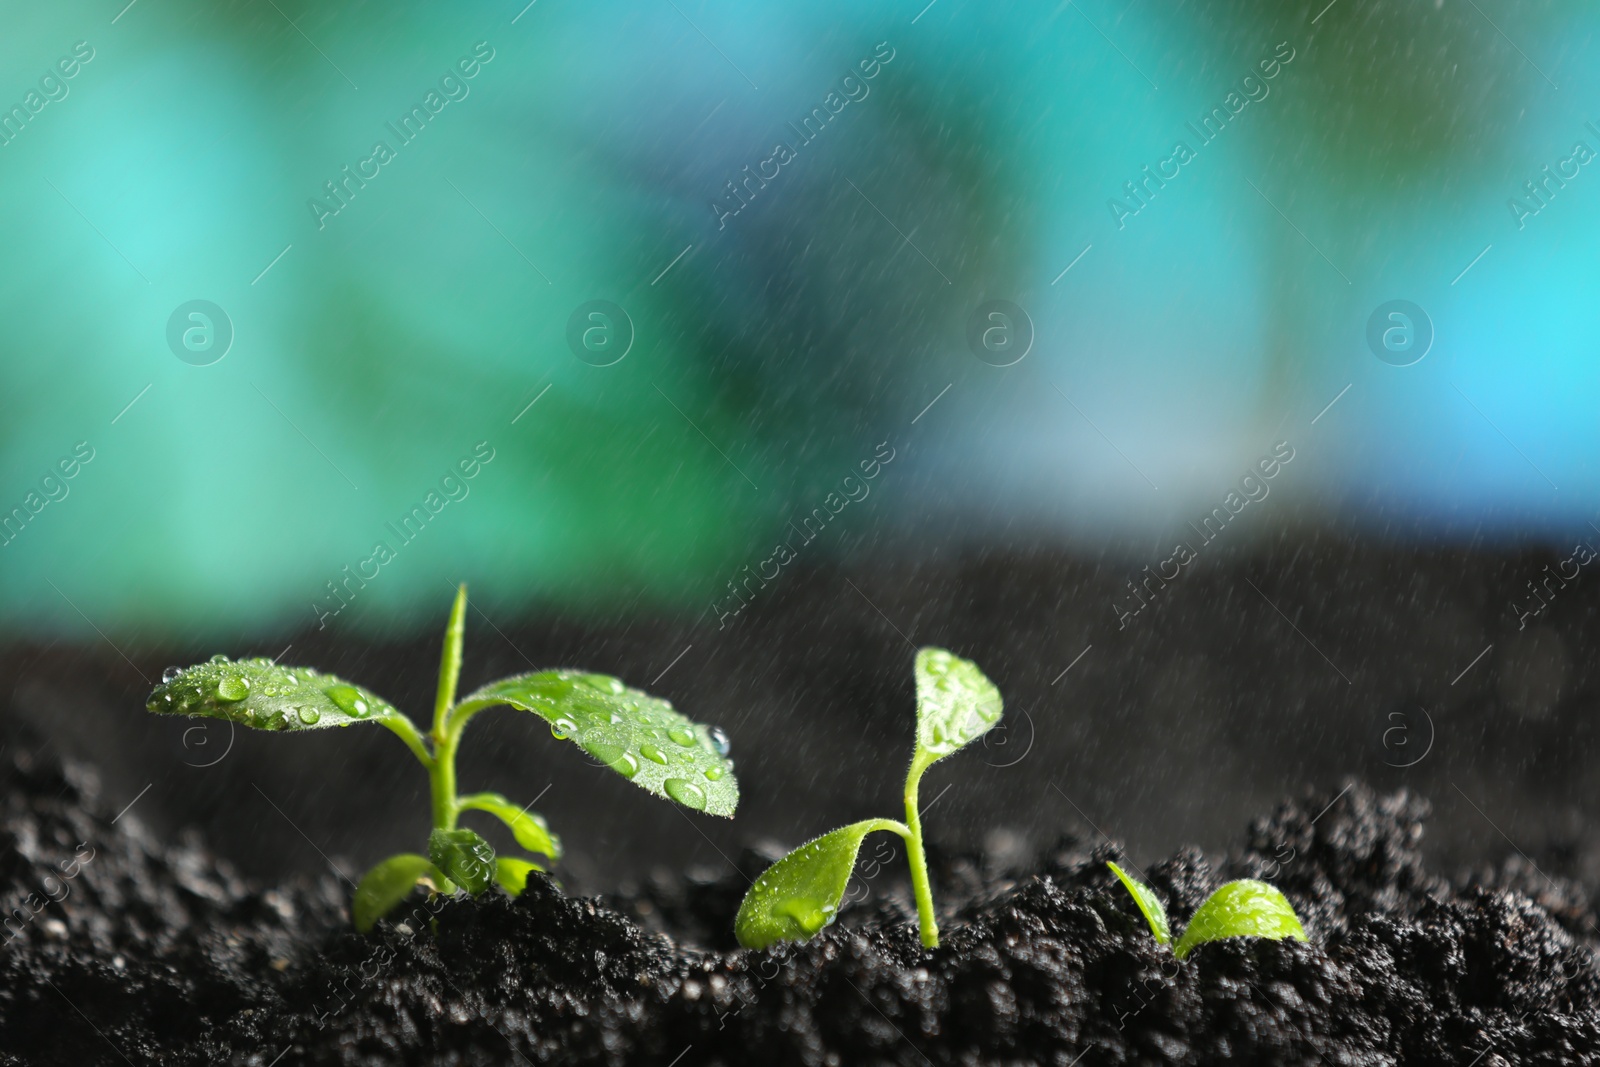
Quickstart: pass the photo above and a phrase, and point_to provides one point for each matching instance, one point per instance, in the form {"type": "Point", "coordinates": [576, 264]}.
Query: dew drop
{"type": "Point", "coordinates": [682, 735]}
{"type": "Point", "coordinates": [686, 793]}
{"type": "Point", "coordinates": [720, 742]}
{"type": "Point", "coordinates": [614, 685]}
{"type": "Point", "coordinates": [349, 700]}
{"type": "Point", "coordinates": [170, 675]}
{"type": "Point", "coordinates": [307, 715]}
{"type": "Point", "coordinates": [233, 687]}
{"type": "Point", "coordinates": [219, 658]}
{"type": "Point", "coordinates": [653, 753]}
{"type": "Point", "coordinates": [562, 729]}
{"type": "Point", "coordinates": [616, 757]}
{"type": "Point", "coordinates": [713, 774]}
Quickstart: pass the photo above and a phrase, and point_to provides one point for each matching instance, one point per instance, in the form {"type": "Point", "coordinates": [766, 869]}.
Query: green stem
{"type": "Point", "coordinates": [450, 662]}
{"type": "Point", "coordinates": [918, 860]}
{"type": "Point", "coordinates": [442, 779]}
{"type": "Point", "coordinates": [414, 741]}
{"type": "Point", "coordinates": [442, 771]}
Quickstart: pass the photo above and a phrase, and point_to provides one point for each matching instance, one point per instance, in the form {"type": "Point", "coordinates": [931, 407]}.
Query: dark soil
{"type": "Point", "coordinates": [140, 952]}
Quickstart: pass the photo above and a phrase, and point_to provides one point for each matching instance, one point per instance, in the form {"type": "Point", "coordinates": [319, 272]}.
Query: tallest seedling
{"type": "Point", "coordinates": [637, 735]}
{"type": "Point", "coordinates": [800, 894]}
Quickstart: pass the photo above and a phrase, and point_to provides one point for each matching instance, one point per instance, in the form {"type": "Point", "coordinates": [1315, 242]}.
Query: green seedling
{"type": "Point", "coordinates": [1246, 908]}
{"type": "Point", "coordinates": [800, 894]}
{"type": "Point", "coordinates": [637, 735]}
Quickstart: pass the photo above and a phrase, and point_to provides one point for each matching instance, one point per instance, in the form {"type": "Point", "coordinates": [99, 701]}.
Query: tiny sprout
{"type": "Point", "coordinates": [1246, 908]}
{"type": "Point", "coordinates": [687, 762]}
{"type": "Point", "coordinates": [800, 894]}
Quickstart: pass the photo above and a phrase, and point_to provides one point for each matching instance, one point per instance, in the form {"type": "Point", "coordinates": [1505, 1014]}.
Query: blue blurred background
{"type": "Point", "coordinates": [773, 349]}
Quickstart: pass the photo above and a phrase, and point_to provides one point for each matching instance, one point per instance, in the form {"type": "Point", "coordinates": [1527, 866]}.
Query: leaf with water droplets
{"type": "Point", "coordinates": [800, 894]}
{"type": "Point", "coordinates": [259, 693]}
{"type": "Point", "coordinates": [1246, 908]}
{"type": "Point", "coordinates": [529, 829]}
{"type": "Point", "coordinates": [1149, 904]}
{"type": "Point", "coordinates": [464, 857]}
{"type": "Point", "coordinates": [639, 736]}
{"type": "Point", "coordinates": [956, 704]}
{"type": "Point", "coordinates": [389, 883]}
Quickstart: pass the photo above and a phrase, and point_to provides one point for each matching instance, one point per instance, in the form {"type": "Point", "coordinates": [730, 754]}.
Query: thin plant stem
{"type": "Point", "coordinates": [442, 772]}
{"type": "Point", "coordinates": [918, 860]}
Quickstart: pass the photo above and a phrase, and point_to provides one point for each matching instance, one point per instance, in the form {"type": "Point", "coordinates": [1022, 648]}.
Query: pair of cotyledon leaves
{"type": "Point", "coordinates": [1245, 908]}
{"type": "Point", "coordinates": [800, 894]}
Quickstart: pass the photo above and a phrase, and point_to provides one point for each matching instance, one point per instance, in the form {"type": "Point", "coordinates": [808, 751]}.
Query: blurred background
{"type": "Point", "coordinates": [1222, 377]}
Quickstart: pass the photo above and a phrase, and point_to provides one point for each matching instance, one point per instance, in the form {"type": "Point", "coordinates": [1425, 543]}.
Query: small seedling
{"type": "Point", "coordinates": [637, 735]}
{"type": "Point", "coordinates": [1246, 908]}
{"type": "Point", "coordinates": [800, 894]}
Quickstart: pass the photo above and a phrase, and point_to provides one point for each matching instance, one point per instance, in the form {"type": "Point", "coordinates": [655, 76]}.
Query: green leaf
{"type": "Point", "coordinates": [389, 883]}
{"type": "Point", "coordinates": [956, 704]}
{"type": "Point", "coordinates": [1148, 902]}
{"type": "Point", "coordinates": [1245, 908]}
{"type": "Point", "coordinates": [512, 874]}
{"type": "Point", "coordinates": [800, 894]}
{"type": "Point", "coordinates": [261, 694]}
{"type": "Point", "coordinates": [464, 857]}
{"type": "Point", "coordinates": [529, 829]}
{"type": "Point", "coordinates": [637, 735]}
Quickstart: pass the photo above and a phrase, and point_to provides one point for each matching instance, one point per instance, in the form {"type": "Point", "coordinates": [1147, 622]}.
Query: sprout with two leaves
{"type": "Point", "coordinates": [800, 894]}
{"type": "Point", "coordinates": [639, 736]}
{"type": "Point", "coordinates": [1245, 908]}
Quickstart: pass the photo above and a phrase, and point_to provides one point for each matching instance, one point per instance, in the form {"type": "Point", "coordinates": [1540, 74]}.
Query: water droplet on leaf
{"type": "Point", "coordinates": [616, 757]}
{"type": "Point", "coordinates": [720, 742]}
{"type": "Point", "coordinates": [651, 752]}
{"type": "Point", "coordinates": [682, 735]}
{"type": "Point", "coordinates": [349, 700]}
{"type": "Point", "coordinates": [307, 715]}
{"type": "Point", "coordinates": [170, 675]}
{"type": "Point", "coordinates": [686, 793]}
{"type": "Point", "coordinates": [233, 687]}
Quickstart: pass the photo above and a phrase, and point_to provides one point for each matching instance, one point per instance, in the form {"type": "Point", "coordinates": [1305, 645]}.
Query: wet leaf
{"type": "Point", "coordinates": [529, 829]}
{"type": "Point", "coordinates": [639, 736]}
{"type": "Point", "coordinates": [389, 883]}
{"type": "Point", "coordinates": [956, 704]}
{"type": "Point", "coordinates": [266, 696]}
{"type": "Point", "coordinates": [464, 857]}
{"type": "Point", "coordinates": [800, 894]}
{"type": "Point", "coordinates": [1148, 902]}
{"type": "Point", "coordinates": [1245, 908]}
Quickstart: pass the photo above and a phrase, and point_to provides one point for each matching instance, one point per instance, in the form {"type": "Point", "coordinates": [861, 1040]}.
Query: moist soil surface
{"type": "Point", "coordinates": [124, 949]}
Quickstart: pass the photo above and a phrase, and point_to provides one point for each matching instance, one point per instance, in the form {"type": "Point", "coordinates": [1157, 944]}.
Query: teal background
{"type": "Point", "coordinates": [779, 351]}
